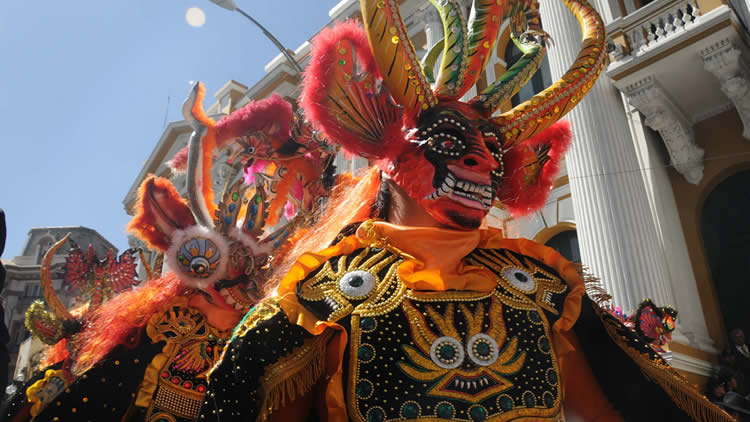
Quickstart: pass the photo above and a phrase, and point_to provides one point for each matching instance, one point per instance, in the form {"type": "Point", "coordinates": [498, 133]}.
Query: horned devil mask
{"type": "Point", "coordinates": [454, 158]}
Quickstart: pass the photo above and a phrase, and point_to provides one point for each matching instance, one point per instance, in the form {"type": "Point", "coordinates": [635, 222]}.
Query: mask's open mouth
{"type": "Point", "coordinates": [237, 298]}
{"type": "Point", "coordinates": [466, 193]}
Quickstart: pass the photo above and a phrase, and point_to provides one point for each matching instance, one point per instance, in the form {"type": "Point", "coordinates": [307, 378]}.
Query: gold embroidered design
{"type": "Point", "coordinates": [178, 374]}
{"type": "Point", "coordinates": [520, 278]}
{"type": "Point", "coordinates": [478, 383]}
{"type": "Point", "coordinates": [329, 284]}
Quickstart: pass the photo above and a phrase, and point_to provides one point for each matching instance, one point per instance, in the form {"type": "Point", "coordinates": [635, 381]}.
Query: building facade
{"type": "Point", "coordinates": [22, 286]}
{"type": "Point", "coordinates": [652, 195]}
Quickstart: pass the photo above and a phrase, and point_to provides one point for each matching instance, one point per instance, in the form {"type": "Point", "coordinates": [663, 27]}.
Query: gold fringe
{"type": "Point", "coordinates": [294, 375]}
{"type": "Point", "coordinates": [594, 288]}
{"type": "Point", "coordinates": [685, 395]}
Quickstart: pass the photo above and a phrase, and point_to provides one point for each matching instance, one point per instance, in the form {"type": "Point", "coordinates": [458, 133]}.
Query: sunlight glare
{"type": "Point", "coordinates": [195, 17]}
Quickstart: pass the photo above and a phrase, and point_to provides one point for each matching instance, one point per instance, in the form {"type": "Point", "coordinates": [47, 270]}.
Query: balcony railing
{"type": "Point", "coordinates": [652, 25]}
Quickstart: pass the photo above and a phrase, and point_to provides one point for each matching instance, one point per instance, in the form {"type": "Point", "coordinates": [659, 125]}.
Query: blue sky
{"type": "Point", "coordinates": [85, 87]}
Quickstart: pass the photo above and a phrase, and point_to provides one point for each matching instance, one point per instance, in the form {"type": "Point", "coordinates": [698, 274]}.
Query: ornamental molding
{"type": "Point", "coordinates": [726, 62]}
{"type": "Point", "coordinates": [665, 117]}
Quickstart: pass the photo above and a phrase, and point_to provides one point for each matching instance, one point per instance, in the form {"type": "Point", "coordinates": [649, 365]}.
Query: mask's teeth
{"type": "Point", "coordinates": [487, 192]}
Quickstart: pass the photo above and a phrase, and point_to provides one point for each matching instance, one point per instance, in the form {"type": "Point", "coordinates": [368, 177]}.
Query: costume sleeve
{"type": "Point", "coordinates": [104, 392]}
{"type": "Point", "coordinates": [583, 398]}
{"type": "Point", "coordinates": [268, 364]}
{"type": "Point", "coordinates": [636, 381]}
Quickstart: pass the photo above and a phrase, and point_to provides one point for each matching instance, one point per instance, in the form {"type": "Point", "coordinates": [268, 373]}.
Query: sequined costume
{"type": "Point", "coordinates": [448, 321]}
{"type": "Point", "coordinates": [144, 354]}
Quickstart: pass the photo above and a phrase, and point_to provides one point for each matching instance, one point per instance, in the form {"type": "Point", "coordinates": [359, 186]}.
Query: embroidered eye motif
{"type": "Point", "coordinates": [199, 257]}
{"type": "Point", "coordinates": [447, 352]}
{"type": "Point", "coordinates": [482, 349]}
{"type": "Point", "coordinates": [357, 284]}
{"type": "Point", "coordinates": [520, 279]}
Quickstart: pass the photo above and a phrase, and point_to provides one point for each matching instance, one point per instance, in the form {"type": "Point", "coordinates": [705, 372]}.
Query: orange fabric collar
{"type": "Point", "coordinates": [438, 263]}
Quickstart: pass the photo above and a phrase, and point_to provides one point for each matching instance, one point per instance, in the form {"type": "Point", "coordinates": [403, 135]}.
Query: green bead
{"type": "Point", "coordinates": [365, 353]}
{"type": "Point", "coordinates": [342, 62]}
{"type": "Point", "coordinates": [544, 344]}
{"type": "Point", "coordinates": [235, 196]}
{"type": "Point", "coordinates": [506, 403]}
{"type": "Point", "coordinates": [410, 411]}
{"type": "Point", "coordinates": [367, 323]}
{"type": "Point", "coordinates": [535, 317]}
{"type": "Point", "coordinates": [528, 399]}
{"type": "Point", "coordinates": [478, 413]}
{"type": "Point", "coordinates": [483, 349]}
{"type": "Point", "coordinates": [445, 411]}
{"type": "Point", "coordinates": [363, 389]}
{"type": "Point", "coordinates": [375, 415]}
{"type": "Point", "coordinates": [447, 352]}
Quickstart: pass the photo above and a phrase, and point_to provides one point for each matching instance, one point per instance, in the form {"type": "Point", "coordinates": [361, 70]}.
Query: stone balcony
{"type": "Point", "coordinates": [680, 62]}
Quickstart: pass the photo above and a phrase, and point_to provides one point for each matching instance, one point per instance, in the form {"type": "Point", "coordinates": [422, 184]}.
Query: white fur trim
{"type": "Point", "coordinates": [180, 237]}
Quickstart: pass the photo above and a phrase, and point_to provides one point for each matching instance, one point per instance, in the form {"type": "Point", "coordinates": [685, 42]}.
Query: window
{"type": "Point", "coordinates": [567, 244]}
{"type": "Point", "coordinates": [538, 82]}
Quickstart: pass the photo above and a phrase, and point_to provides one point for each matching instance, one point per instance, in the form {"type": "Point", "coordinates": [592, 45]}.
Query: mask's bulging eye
{"type": "Point", "coordinates": [198, 257]}
{"type": "Point", "coordinates": [494, 148]}
{"type": "Point", "coordinates": [357, 284]}
{"type": "Point", "coordinates": [519, 279]}
{"type": "Point", "coordinates": [447, 352]}
{"type": "Point", "coordinates": [482, 349]}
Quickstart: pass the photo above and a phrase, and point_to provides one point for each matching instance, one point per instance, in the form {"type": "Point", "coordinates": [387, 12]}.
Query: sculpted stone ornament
{"type": "Point", "coordinates": [663, 116]}
{"type": "Point", "coordinates": [725, 60]}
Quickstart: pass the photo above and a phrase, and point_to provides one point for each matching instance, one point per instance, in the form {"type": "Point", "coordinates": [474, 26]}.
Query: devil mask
{"type": "Point", "coordinates": [225, 250]}
{"type": "Point", "coordinates": [367, 91]}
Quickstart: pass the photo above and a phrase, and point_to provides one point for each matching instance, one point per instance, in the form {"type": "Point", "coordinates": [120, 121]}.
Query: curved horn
{"type": "Point", "coordinates": [202, 141]}
{"type": "Point", "coordinates": [48, 290]}
{"type": "Point", "coordinates": [450, 78]}
{"type": "Point", "coordinates": [516, 77]}
{"type": "Point", "coordinates": [395, 55]}
{"type": "Point", "coordinates": [545, 108]}
{"type": "Point", "coordinates": [484, 27]}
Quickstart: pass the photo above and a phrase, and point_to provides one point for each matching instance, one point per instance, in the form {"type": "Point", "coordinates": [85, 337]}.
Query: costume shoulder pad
{"type": "Point", "coordinates": [269, 361]}
{"type": "Point", "coordinates": [524, 279]}
{"type": "Point", "coordinates": [366, 277]}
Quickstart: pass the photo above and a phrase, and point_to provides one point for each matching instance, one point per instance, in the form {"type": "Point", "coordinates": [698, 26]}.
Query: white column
{"type": "Point", "coordinates": [691, 320]}
{"type": "Point", "coordinates": [616, 230]}
{"type": "Point", "coordinates": [433, 27]}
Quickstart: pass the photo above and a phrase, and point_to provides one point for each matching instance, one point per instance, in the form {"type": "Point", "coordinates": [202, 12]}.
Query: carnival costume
{"type": "Point", "coordinates": [456, 323]}
{"type": "Point", "coordinates": [144, 354]}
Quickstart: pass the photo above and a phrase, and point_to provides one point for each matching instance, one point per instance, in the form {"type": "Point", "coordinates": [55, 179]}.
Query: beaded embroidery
{"type": "Point", "coordinates": [445, 355]}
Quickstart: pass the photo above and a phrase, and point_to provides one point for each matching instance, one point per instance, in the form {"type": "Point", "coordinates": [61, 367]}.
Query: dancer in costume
{"type": "Point", "coordinates": [144, 354]}
{"type": "Point", "coordinates": [415, 312]}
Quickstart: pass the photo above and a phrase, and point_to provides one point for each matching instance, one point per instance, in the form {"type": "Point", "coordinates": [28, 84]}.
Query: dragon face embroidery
{"type": "Point", "coordinates": [469, 367]}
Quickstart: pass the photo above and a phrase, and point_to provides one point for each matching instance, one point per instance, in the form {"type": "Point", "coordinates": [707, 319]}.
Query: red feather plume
{"type": "Point", "coordinates": [531, 168]}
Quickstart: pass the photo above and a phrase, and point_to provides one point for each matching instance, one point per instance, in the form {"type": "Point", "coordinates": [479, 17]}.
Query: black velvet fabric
{"type": "Point", "coordinates": [233, 386]}
{"type": "Point", "coordinates": [104, 393]}
{"type": "Point", "coordinates": [637, 398]}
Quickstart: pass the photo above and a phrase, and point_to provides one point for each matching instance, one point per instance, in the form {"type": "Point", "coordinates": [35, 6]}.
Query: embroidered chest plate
{"type": "Point", "coordinates": [445, 355]}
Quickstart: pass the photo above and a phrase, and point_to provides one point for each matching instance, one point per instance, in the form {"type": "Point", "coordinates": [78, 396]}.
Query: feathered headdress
{"type": "Point", "coordinates": [367, 90]}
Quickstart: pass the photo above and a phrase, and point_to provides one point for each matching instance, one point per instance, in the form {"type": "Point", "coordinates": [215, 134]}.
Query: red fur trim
{"type": "Point", "coordinates": [178, 163]}
{"type": "Point", "coordinates": [273, 116]}
{"type": "Point", "coordinates": [110, 325]}
{"type": "Point", "coordinates": [159, 211]}
{"type": "Point", "coordinates": [521, 196]}
{"type": "Point", "coordinates": [319, 80]}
